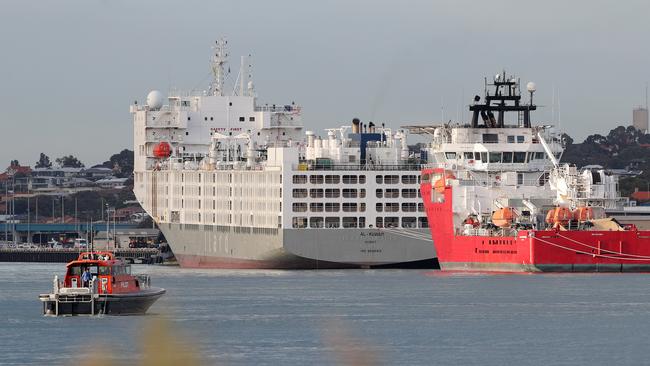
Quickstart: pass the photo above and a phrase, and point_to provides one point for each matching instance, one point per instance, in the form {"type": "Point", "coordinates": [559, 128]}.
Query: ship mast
{"type": "Point", "coordinates": [219, 59]}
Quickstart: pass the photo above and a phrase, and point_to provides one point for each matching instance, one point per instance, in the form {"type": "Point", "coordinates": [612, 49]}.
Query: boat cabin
{"type": "Point", "coordinates": [112, 275]}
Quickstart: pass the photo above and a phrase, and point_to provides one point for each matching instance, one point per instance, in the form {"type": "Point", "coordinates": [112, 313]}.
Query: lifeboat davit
{"type": "Point", "coordinates": [162, 150]}
{"type": "Point", "coordinates": [503, 217]}
{"type": "Point", "coordinates": [559, 215]}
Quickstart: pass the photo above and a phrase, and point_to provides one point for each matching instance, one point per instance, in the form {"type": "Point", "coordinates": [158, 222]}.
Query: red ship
{"type": "Point", "coordinates": [497, 198]}
{"type": "Point", "coordinates": [110, 288]}
{"type": "Point", "coordinates": [608, 248]}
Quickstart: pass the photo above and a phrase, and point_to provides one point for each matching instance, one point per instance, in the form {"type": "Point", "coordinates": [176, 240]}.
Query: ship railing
{"type": "Point", "coordinates": [289, 108]}
{"type": "Point", "coordinates": [352, 167]}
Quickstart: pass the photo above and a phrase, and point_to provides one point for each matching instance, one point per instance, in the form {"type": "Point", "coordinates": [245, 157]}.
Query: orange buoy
{"type": "Point", "coordinates": [503, 217]}
{"type": "Point", "coordinates": [162, 150]}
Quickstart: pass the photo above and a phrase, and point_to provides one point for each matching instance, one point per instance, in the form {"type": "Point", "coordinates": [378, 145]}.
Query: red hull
{"type": "Point", "coordinates": [534, 250]}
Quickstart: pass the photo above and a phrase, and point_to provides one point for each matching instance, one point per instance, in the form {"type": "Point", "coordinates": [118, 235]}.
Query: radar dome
{"type": "Point", "coordinates": [531, 86]}
{"type": "Point", "coordinates": [154, 99]}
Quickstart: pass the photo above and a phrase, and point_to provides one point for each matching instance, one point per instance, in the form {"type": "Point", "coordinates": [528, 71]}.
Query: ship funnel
{"type": "Point", "coordinates": [355, 125]}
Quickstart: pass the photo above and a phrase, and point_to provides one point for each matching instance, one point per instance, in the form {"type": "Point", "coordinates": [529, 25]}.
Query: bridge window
{"type": "Point", "coordinates": [519, 157]}
{"type": "Point", "coordinates": [507, 157]}
{"type": "Point", "coordinates": [495, 157]}
{"type": "Point", "coordinates": [468, 155]}
{"type": "Point", "coordinates": [450, 155]}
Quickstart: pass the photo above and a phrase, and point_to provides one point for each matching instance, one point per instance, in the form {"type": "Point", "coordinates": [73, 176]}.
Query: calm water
{"type": "Point", "coordinates": [403, 317]}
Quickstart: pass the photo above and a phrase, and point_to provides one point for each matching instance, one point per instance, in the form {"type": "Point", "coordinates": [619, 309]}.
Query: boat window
{"type": "Point", "coordinates": [299, 207]}
{"type": "Point", "coordinates": [507, 157]}
{"type": "Point", "coordinates": [332, 222]}
{"type": "Point", "coordinates": [316, 179]}
{"type": "Point", "coordinates": [409, 206]}
{"type": "Point", "coordinates": [75, 271]}
{"type": "Point", "coordinates": [540, 155]}
{"type": "Point", "coordinates": [299, 193]}
{"type": "Point", "coordinates": [299, 222]}
{"type": "Point", "coordinates": [349, 207]}
{"type": "Point", "coordinates": [484, 157]}
{"type": "Point", "coordinates": [495, 157]}
{"type": "Point", "coordinates": [409, 179]}
{"type": "Point", "coordinates": [316, 222]}
{"type": "Point", "coordinates": [332, 207]}
{"type": "Point", "coordinates": [450, 155]}
{"type": "Point", "coordinates": [520, 139]}
{"type": "Point", "coordinates": [391, 221]}
{"type": "Point", "coordinates": [391, 179]}
{"type": "Point", "coordinates": [490, 138]}
{"type": "Point", "coordinates": [409, 222]}
{"type": "Point", "coordinates": [519, 157]}
{"type": "Point", "coordinates": [316, 193]}
{"type": "Point", "coordinates": [332, 193]}
{"type": "Point", "coordinates": [332, 179]}
{"type": "Point", "coordinates": [468, 155]}
{"type": "Point", "coordinates": [350, 179]}
{"type": "Point", "coordinates": [104, 271]}
{"type": "Point", "coordinates": [299, 179]}
{"type": "Point", "coordinates": [511, 139]}
{"type": "Point", "coordinates": [349, 222]}
{"type": "Point", "coordinates": [316, 207]}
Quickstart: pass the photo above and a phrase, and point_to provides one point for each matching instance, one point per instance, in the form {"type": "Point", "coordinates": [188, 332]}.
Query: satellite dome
{"type": "Point", "coordinates": [154, 99]}
{"type": "Point", "coordinates": [531, 86]}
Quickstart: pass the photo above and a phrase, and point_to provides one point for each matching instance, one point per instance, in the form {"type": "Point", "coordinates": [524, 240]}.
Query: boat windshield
{"type": "Point", "coordinates": [94, 270]}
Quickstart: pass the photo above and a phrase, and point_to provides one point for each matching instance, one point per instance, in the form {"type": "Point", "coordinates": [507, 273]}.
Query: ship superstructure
{"type": "Point", "coordinates": [235, 184]}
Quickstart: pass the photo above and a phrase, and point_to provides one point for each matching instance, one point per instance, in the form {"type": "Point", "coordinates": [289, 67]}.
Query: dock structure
{"type": "Point", "coordinates": [143, 255]}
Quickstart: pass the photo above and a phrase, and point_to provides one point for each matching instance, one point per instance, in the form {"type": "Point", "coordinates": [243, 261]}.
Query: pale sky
{"type": "Point", "coordinates": [70, 69]}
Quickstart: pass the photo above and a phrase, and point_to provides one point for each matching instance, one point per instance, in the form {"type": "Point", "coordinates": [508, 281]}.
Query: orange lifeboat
{"type": "Point", "coordinates": [559, 215]}
{"type": "Point", "coordinates": [503, 217]}
{"type": "Point", "coordinates": [440, 184]}
{"type": "Point", "coordinates": [162, 150]}
{"type": "Point", "coordinates": [588, 213]}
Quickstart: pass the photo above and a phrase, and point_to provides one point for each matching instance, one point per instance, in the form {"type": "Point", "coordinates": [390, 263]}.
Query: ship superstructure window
{"type": "Point", "coordinates": [409, 206]}
{"type": "Point", "coordinates": [519, 157]}
{"type": "Point", "coordinates": [520, 178]}
{"type": "Point", "coordinates": [332, 193]}
{"type": "Point", "coordinates": [379, 207]}
{"type": "Point", "coordinates": [362, 193]}
{"type": "Point", "coordinates": [495, 157]}
{"type": "Point", "coordinates": [332, 222]}
{"type": "Point", "coordinates": [379, 193]}
{"type": "Point", "coordinates": [299, 222]}
{"type": "Point", "coordinates": [316, 193]}
{"type": "Point", "coordinates": [349, 207]}
{"type": "Point", "coordinates": [362, 207]}
{"type": "Point", "coordinates": [251, 119]}
{"type": "Point", "coordinates": [391, 207]}
{"type": "Point", "coordinates": [392, 193]}
{"type": "Point", "coordinates": [299, 193]}
{"type": "Point", "coordinates": [316, 207]}
{"type": "Point", "coordinates": [391, 179]}
{"type": "Point", "coordinates": [410, 179]}
{"type": "Point", "coordinates": [391, 221]}
{"type": "Point", "coordinates": [540, 156]}
{"type": "Point", "coordinates": [332, 207]}
{"type": "Point", "coordinates": [316, 223]}
{"type": "Point", "coordinates": [484, 157]}
{"type": "Point", "coordinates": [362, 179]}
{"type": "Point", "coordinates": [299, 179]}
{"type": "Point", "coordinates": [450, 155]}
{"type": "Point", "coordinates": [477, 156]}
{"type": "Point", "coordinates": [362, 222]}
{"type": "Point", "coordinates": [299, 207]}
{"type": "Point", "coordinates": [490, 138]}
{"type": "Point", "coordinates": [507, 157]}
{"type": "Point", "coordinates": [349, 222]}
{"type": "Point", "coordinates": [316, 179]}
{"type": "Point", "coordinates": [379, 179]}
{"type": "Point", "coordinates": [468, 155]}
{"type": "Point", "coordinates": [423, 222]}
{"type": "Point", "coordinates": [511, 139]}
{"type": "Point", "coordinates": [420, 207]}
{"type": "Point", "coordinates": [242, 119]}
{"type": "Point", "coordinates": [332, 179]}
{"type": "Point", "coordinates": [349, 193]}
{"type": "Point", "coordinates": [350, 179]}
{"type": "Point", "coordinates": [379, 222]}
{"type": "Point", "coordinates": [520, 139]}
{"type": "Point", "coordinates": [409, 193]}
{"type": "Point", "coordinates": [409, 222]}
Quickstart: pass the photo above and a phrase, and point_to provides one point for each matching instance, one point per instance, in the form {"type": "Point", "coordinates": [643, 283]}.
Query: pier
{"type": "Point", "coordinates": [50, 255]}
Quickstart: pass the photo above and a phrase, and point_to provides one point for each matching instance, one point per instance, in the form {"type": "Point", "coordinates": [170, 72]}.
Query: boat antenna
{"type": "Point", "coordinates": [219, 59]}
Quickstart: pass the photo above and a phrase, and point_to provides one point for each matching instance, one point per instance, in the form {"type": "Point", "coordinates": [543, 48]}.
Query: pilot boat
{"type": "Point", "coordinates": [112, 289]}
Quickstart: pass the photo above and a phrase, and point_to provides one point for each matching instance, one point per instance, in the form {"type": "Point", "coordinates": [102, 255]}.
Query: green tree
{"type": "Point", "coordinates": [43, 162]}
{"type": "Point", "coordinates": [69, 162]}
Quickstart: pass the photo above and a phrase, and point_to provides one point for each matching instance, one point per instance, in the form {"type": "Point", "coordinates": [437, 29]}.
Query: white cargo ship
{"type": "Point", "coordinates": [235, 184]}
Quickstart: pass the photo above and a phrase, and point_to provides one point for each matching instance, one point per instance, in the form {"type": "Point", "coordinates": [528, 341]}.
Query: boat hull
{"type": "Point", "coordinates": [204, 246]}
{"type": "Point", "coordinates": [109, 304]}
